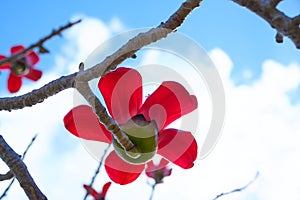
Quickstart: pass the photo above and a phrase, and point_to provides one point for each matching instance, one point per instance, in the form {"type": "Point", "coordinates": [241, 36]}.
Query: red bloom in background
{"type": "Point", "coordinates": [20, 68]}
{"type": "Point", "coordinates": [122, 92]}
{"type": "Point", "coordinates": [97, 195]}
{"type": "Point", "coordinates": [158, 172]}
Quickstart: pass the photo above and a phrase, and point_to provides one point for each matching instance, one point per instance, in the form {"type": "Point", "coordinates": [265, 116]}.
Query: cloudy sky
{"type": "Point", "coordinates": [260, 79]}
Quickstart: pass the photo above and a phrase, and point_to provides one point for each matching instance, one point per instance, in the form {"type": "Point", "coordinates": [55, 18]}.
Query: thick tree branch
{"type": "Point", "coordinates": [19, 169]}
{"type": "Point", "coordinates": [107, 64]}
{"type": "Point", "coordinates": [39, 44]}
{"type": "Point", "coordinates": [139, 41]}
{"type": "Point", "coordinates": [38, 96]}
{"type": "Point", "coordinates": [284, 25]}
{"type": "Point", "coordinates": [23, 157]}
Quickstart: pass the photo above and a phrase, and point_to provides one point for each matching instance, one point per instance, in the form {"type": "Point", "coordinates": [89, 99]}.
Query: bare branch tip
{"type": "Point", "coordinates": [274, 3]}
{"type": "Point", "coordinates": [279, 37]}
{"type": "Point", "coordinates": [7, 176]}
{"type": "Point", "coordinates": [238, 189]}
{"type": "Point", "coordinates": [81, 66]}
{"type": "Point", "coordinates": [296, 20]}
{"type": "Point", "coordinates": [78, 21]}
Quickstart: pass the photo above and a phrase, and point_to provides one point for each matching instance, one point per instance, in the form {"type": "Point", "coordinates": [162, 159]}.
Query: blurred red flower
{"type": "Point", "coordinates": [158, 172]}
{"type": "Point", "coordinates": [23, 67]}
{"type": "Point", "coordinates": [98, 195]}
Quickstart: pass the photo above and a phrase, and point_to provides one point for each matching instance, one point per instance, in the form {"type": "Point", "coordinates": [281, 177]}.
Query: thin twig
{"type": "Point", "coordinates": [238, 189]}
{"type": "Point", "coordinates": [152, 191]}
{"type": "Point", "coordinates": [109, 63]}
{"type": "Point", "coordinates": [38, 44]}
{"type": "Point", "coordinates": [28, 147]}
{"type": "Point", "coordinates": [6, 176]}
{"type": "Point", "coordinates": [7, 188]}
{"type": "Point", "coordinates": [19, 169]}
{"type": "Point", "coordinates": [284, 25]}
{"type": "Point", "coordinates": [97, 170]}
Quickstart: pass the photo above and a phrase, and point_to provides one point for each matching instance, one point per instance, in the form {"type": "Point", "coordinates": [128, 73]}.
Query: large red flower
{"type": "Point", "coordinates": [122, 92]}
{"type": "Point", "coordinates": [98, 195]}
{"type": "Point", "coordinates": [20, 68]}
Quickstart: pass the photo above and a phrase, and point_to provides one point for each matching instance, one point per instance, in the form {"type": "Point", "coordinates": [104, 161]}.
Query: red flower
{"type": "Point", "coordinates": [97, 195]}
{"type": "Point", "coordinates": [122, 92]}
{"type": "Point", "coordinates": [21, 68]}
{"type": "Point", "coordinates": [158, 172]}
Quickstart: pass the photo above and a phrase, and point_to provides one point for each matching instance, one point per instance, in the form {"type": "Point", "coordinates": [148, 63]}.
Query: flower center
{"type": "Point", "coordinates": [143, 134]}
{"type": "Point", "coordinates": [158, 176]}
{"type": "Point", "coordinates": [20, 67]}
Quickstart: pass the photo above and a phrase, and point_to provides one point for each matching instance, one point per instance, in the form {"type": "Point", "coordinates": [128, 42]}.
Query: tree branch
{"type": "Point", "coordinates": [152, 191]}
{"type": "Point", "coordinates": [274, 3]}
{"type": "Point", "coordinates": [39, 95]}
{"type": "Point", "coordinates": [238, 189]}
{"type": "Point", "coordinates": [38, 44]}
{"type": "Point", "coordinates": [139, 41]}
{"type": "Point", "coordinates": [284, 25]}
{"type": "Point", "coordinates": [109, 63]}
{"type": "Point", "coordinates": [19, 170]}
{"type": "Point", "coordinates": [97, 170]}
{"type": "Point", "coordinates": [6, 176]}
{"type": "Point", "coordinates": [23, 157]}
{"type": "Point", "coordinates": [110, 124]}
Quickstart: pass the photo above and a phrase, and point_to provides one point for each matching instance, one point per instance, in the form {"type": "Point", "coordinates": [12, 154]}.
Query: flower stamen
{"type": "Point", "coordinates": [20, 67]}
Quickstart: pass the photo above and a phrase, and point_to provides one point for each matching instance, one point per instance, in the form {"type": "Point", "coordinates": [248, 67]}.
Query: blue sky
{"type": "Point", "coordinates": [251, 64]}
{"type": "Point", "coordinates": [244, 36]}
{"type": "Point", "coordinates": [216, 23]}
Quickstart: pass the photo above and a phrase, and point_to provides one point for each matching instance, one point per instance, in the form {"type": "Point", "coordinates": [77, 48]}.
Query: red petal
{"type": "Point", "coordinates": [105, 188]}
{"type": "Point", "coordinates": [83, 123]}
{"type": "Point", "coordinates": [122, 92]}
{"type": "Point", "coordinates": [34, 74]}
{"type": "Point", "coordinates": [14, 83]}
{"type": "Point", "coordinates": [162, 166]}
{"type": "Point", "coordinates": [163, 163]}
{"type": "Point", "coordinates": [91, 191]}
{"type": "Point", "coordinates": [120, 171]}
{"type": "Point", "coordinates": [5, 65]}
{"type": "Point", "coordinates": [16, 49]}
{"type": "Point", "coordinates": [32, 58]}
{"type": "Point", "coordinates": [179, 147]}
{"type": "Point", "coordinates": [167, 172]}
{"type": "Point", "coordinates": [168, 102]}
{"type": "Point", "coordinates": [150, 169]}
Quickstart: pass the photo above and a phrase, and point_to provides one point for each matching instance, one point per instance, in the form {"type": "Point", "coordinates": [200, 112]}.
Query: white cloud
{"type": "Point", "coordinates": [260, 134]}
{"type": "Point", "coordinates": [247, 74]}
{"type": "Point", "coordinates": [116, 25]}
